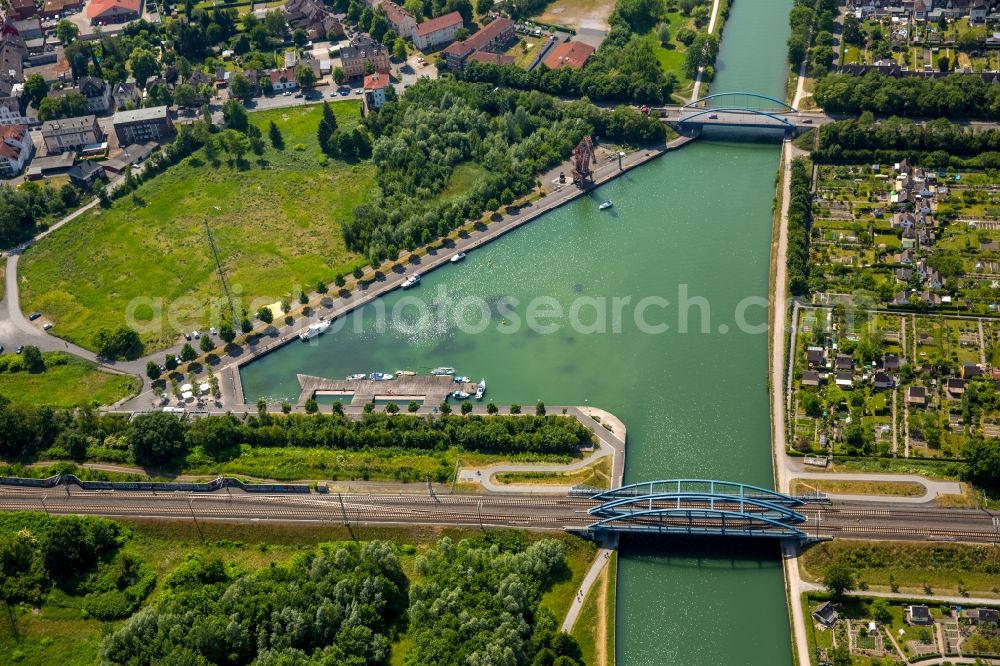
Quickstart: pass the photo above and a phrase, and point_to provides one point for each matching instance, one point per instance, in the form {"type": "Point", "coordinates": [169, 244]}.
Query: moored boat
{"type": "Point", "coordinates": [461, 378]}
{"type": "Point", "coordinates": [606, 205]}
{"type": "Point", "coordinates": [357, 375]}
{"type": "Point", "coordinates": [461, 395]}
{"type": "Point", "coordinates": [314, 329]}
{"type": "Point", "coordinates": [481, 389]}
{"type": "Point", "coordinates": [405, 373]}
{"type": "Point", "coordinates": [380, 376]}
{"type": "Point", "coordinates": [457, 257]}
{"type": "Point", "coordinates": [411, 281]}
{"type": "Point", "coordinates": [443, 371]}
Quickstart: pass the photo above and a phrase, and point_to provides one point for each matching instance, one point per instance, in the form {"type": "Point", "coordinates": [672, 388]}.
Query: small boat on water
{"type": "Point", "coordinates": [405, 373]}
{"type": "Point", "coordinates": [411, 281]}
{"type": "Point", "coordinates": [457, 257]}
{"type": "Point", "coordinates": [461, 395]}
{"type": "Point", "coordinates": [443, 371]}
{"type": "Point", "coordinates": [314, 329]}
{"type": "Point", "coordinates": [461, 378]}
{"type": "Point", "coordinates": [380, 376]}
{"type": "Point", "coordinates": [606, 205]}
{"type": "Point", "coordinates": [356, 376]}
{"type": "Point", "coordinates": [481, 389]}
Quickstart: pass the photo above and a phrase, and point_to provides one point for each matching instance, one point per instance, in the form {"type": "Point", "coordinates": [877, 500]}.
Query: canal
{"type": "Point", "coordinates": [682, 260]}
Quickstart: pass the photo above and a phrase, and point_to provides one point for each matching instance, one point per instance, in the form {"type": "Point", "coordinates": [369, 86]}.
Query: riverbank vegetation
{"type": "Point", "coordinates": [57, 379]}
{"type": "Point", "coordinates": [74, 585]}
{"type": "Point", "coordinates": [294, 197]}
{"type": "Point", "coordinates": [917, 568]}
{"type": "Point", "coordinates": [954, 96]}
{"type": "Point", "coordinates": [283, 446]}
{"type": "Point", "coordinates": [816, 19]}
{"type": "Point", "coordinates": [439, 125]}
{"type": "Point", "coordinates": [799, 226]}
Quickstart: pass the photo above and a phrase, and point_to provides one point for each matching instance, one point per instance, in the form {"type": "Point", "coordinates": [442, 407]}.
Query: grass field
{"type": "Point", "coordinates": [914, 568]}
{"type": "Point", "coordinates": [75, 383]}
{"type": "Point", "coordinates": [59, 633]}
{"type": "Point", "coordinates": [597, 475]}
{"type": "Point", "coordinates": [895, 488]}
{"type": "Point", "coordinates": [276, 223]}
{"type": "Point", "coordinates": [595, 626]}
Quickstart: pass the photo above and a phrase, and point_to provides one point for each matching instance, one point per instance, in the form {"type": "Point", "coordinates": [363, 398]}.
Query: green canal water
{"type": "Point", "coordinates": [689, 233]}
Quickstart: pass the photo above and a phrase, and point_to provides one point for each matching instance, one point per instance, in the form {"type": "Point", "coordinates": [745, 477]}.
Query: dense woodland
{"type": "Point", "coordinates": [955, 96]}
{"type": "Point", "coordinates": [440, 125]}
{"type": "Point", "coordinates": [812, 26]}
{"type": "Point", "coordinates": [938, 143]}
{"type": "Point", "coordinates": [162, 439]}
{"type": "Point", "coordinates": [799, 225]}
{"type": "Point", "coordinates": [339, 604]}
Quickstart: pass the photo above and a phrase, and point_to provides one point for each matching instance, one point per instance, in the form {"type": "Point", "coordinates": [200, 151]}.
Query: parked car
{"type": "Point", "coordinates": [195, 334]}
{"type": "Point", "coordinates": [47, 326]}
{"type": "Point", "coordinates": [20, 348]}
{"type": "Point", "coordinates": [286, 94]}
{"type": "Point", "coordinates": [214, 332]}
{"type": "Point", "coordinates": [34, 315]}
{"type": "Point", "coordinates": [187, 336]}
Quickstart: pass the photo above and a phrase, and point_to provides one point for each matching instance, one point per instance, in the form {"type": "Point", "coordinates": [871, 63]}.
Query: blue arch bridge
{"type": "Point", "coordinates": [740, 109]}
{"type": "Point", "coordinates": [700, 507]}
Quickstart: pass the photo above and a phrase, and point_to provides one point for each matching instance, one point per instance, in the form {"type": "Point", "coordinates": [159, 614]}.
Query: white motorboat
{"type": "Point", "coordinates": [481, 389]}
{"type": "Point", "coordinates": [315, 329]}
{"type": "Point", "coordinates": [443, 371]}
{"type": "Point", "coordinates": [606, 205]}
{"type": "Point", "coordinates": [457, 257]}
{"type": "Point", "coordinates": [461, 378]}
{"type": "Point", "coordinates": [405, 373]}
{"type": "Point", "coordinates": [411, 281]}
{"type": "Point", "coordinates": [380, 376]}
{"type": "Point", "coordinates": [461, 395]}
{"type": "Point", "coordinates": [356, 376]}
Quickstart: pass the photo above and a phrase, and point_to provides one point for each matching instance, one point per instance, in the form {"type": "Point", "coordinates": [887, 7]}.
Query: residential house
{"type": "Point", "coordinates": [364, 51]}
{"type": "Point", "coordinates": [71, 133]}
{"type": "Point", "coordinates": [374, 91]}
{"type": "Point", "coordinates": [905, 257]}
{"type": "Point", "coordinates": [955, 386]}
{"type": "Point", "coordinates": [816, 357]}
{"type": "Point", "coordinates": [58, 8]}
{"type": "Point", "coordinates": [95, 90]}
{"type": "Point", "coordinates": [844, 380]}
{"type": "Point", "coordinates": [401, 20]}
{"type": "Point", "coordinates": [22, 9]}
{"type": "Point", "coordinates": [133, 154]}
{"type": "Point", "coordinates": [440, 30]}
{"type": "Point", "coordinates": [492, 38]}
{"type": "Point", "coordinates": [125, 95]}
{"type": "Point", "coordinates": [843, 362]}
{"type": "Point", "coordinates": [198, 79]}
{"type": "Point", "coordinates": [313, 17]}
{"type": "Point", "coordinates": [16, 149]}
{"type": "Point", "coordinates": [920, 10]}
{"type": "Point", "coordinates": [283, 79]}
{"type": "Point", "coordinates": [916, 395]}
{"type": "Point", "coordinates": [891, 363]}
{"type": "Point", "coordinates": [569, 54]}
{"type": "Point", "coordinates": [981, 616]}
{"type": "Point", "coordinates": [825, 614]}
{"type": "Point", "coordinates": [30, 28]}
{"type": "Point", "coordinates": [10, 107]}
{"type": "Point", "coordinates": [919, 615]}
{"type": "Point", "coordinates": [881, 381]}
{"type": "Point", "coordinates": [42, 167]}
{"type": "Point", "coordinates": [105, 12]}
{"type": "Point", "coordinates": [85, 173]}
{"type": "Point", "coordinates": [811, 378]}
{"type": "Point", "coordinates": [142, 125]}
{"type": "Point", "coordinates": [978, 11]}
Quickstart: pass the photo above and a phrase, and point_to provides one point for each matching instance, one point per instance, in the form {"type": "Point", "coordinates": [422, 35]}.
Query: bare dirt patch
{"type": "Point", "coordinates": [579, 13]}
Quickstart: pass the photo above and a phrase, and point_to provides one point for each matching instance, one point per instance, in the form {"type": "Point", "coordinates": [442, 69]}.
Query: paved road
{"type": "Point", "coordinates": [601, 560]}
{"type": "Point", "coordinates": [932, 488]}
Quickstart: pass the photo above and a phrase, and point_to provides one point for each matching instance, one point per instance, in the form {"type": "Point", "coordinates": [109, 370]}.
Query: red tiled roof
{"type": "Point", "coordinates": [569, 54]}
{"type": "Point", "coordinates": [439, 23]}
{"type": "Point", "coordinates": [278, 74]}
{"type": "Point", "coordinates": [395, 13]}
{"type": "Point", "coordinates": [98, 7]}
{"type": "Point", "coordinates": [15, 132]}
{"type": "Point", "coordinates": [376, 81]}
{"type": "Point", "coordinates": [481, 39]}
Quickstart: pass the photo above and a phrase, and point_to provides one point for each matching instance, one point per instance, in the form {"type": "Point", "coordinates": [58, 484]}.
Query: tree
{"type": "Point", "coordinates": [702, 53]}
{"type": "Point", "coordinates": [311, 406]}
{"type": "Point", "coordinates": [170, 362]}
{"type": "Point", "coordinates": [357, 272]}
{"type": "Point", "coordinates": [142, 64]}
{"type": "Point", "coordinates": [153, 371]}
{"type": "Point", "coordinates": [275, 135]}
{"type": "Point", "coordinates": [303, 299]}
{"type": "Point", "coordinates": [239, 85]}
{"type": "Point", "coordinates": [286, 307]}
{"type": "Point", "coordinates": [413, 407]}
{"type": "Point", "coordinates": [491, 408]}
{"type": "Point", "coordinates": [445, 408]}
{"type": "Point", "coordinates": [206, 344]}
{"type": "Point", "coordinates": [35, 89]}
{"type": "Point", "coordinates": [227, 333]}
{"type": "Point", "coordinates": [663, 34]}
{"type": "Point", "coordinates": [235, 143]}
{"type": "Point", "coordinates": [235, 115]}
{"type": "Point", "coordinates": [339, 281]}
{"type": "Point", "coordinates": [944, 64]}
{"type": "Point", "coordinates": [305, 76]}
{"type": "Point", "coordinates": [246, 325]}
{"type": "Point", "coordinates": [466, 408]}
{"type": "Point", "coordinates": [216, 436]}
{"type": "Point", "coordinates": [265, 314]}
{"type": "Point", "coordinates": [299, 37]}
{"type": "Point", "coordinates": [274, 21]}
{"type": "Point", "coordinates": [392, 408]}
{"type": "Point", "coordinates": [399, 49]}
{"type": "Point", "coordinates": [515, 408]}
{"type": "Point", "coordinates": [982, 461]}
{"type": "Point", "coordinates": [321, 287]}
{"type": "Point", "coordinates": [858, 439]}
{"type": "Point", "coordinates": [880, 612]}
{"type": "Point", "coordinates": [67, 31]}
{"type": "Point", "coordinates": [540, 408]}
{"type": "Point", "coordinates": [156, 438]}
{"type": "Point", "coordinates": [188, 353]}
{"type": "Point", "coordinates": [339, 76]}
{"type": "Point", "coordinates": [838, 579]}
{"type": "Point", "coordinates": [115, 344]}
{"type": "Point", "coordinates": [841, 656]}
{"type": "Point", "coordinates": [33, 361]}
{"type": "Point", "coordinates": [185, 95]}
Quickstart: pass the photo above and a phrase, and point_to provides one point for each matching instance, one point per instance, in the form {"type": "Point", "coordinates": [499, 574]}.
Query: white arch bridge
{"type": "Point", "coordinates": [740, 110]}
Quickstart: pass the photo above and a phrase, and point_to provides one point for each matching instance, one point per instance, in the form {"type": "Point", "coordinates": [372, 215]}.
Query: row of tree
{"type": "Point", "coordinates": [954, 96]}
{"type": "Point", "coordinates": [34, 203]}
{"type": "Point", "coordinates": [799, 226]}
{"type": "Point", "coordinates": [812, 23]}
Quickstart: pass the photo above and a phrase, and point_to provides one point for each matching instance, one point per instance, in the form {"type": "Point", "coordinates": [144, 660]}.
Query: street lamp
{"type": "Point", "coordinates": [621, 156]}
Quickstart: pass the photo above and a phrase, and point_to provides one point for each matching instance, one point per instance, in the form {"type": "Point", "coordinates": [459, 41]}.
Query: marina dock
{"type": "Point", "coordinates": [432, 390]}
